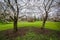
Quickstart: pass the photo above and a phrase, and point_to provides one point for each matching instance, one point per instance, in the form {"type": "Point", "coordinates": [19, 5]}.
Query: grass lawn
{"type": "Point", "coordinates": [49, 25]}
{"type": "Point", "coordinates": [31, 35]}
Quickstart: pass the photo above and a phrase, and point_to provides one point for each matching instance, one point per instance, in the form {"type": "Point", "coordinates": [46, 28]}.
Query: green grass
{"type": "Point", "coordinates": [49, 25]}
{"type": "Point", "coordinates": [53, 25]}
{"type": "Point", "coordinates": [32, 36]}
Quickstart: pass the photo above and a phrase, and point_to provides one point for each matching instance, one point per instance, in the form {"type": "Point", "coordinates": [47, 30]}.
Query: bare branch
{"type": "Point", "coordinates": [40, 9]}
{"type": "Point", "coordinates": [22, 16]}
{"type": "Point", "coordinates": [50, 4]}
{"type": "Point", "coordinates": [11, 17]}
{"type": "Point", "coordinates": [9, 4]}
{"type": "Point", "coordinates": [44, 6]}
{"type": "Point", "coordinates": [47, 2]}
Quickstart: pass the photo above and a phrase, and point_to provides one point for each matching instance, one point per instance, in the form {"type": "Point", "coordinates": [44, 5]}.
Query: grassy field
{"type": "Point", "coordinates": [30, 35]}
{"type": "Point", "coordinates": [49, 25]}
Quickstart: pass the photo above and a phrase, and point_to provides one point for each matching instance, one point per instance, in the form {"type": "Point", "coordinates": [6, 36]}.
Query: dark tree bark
{"type": "Point", "coordinates": [44, 20]}
{"type": "Point", "coordinates": [15, 24]}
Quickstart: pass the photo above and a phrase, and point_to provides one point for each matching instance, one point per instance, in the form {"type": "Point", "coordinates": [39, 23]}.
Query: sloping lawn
{"type": "Point", "coordinates": [49, 25]}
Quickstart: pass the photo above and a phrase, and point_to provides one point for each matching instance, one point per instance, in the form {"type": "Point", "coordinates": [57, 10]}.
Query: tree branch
{"type": "Point", "coordinates": [9, 4]}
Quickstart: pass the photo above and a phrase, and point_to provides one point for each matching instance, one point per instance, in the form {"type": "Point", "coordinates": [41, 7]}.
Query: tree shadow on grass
{"type": "Point", "coordinates": [28, 33]}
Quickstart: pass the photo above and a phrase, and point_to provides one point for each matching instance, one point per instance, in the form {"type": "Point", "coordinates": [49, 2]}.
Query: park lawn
{"type": "Point", "coordinates": [49, 25]}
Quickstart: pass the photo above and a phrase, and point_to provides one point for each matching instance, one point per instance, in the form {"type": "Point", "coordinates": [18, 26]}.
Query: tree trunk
{"type": "Point", "coordinates": [43, 25]}
{"type": "Point", "coordinates": [15, 24]}
{"type": "Point", "coordinates": [44, 21]}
